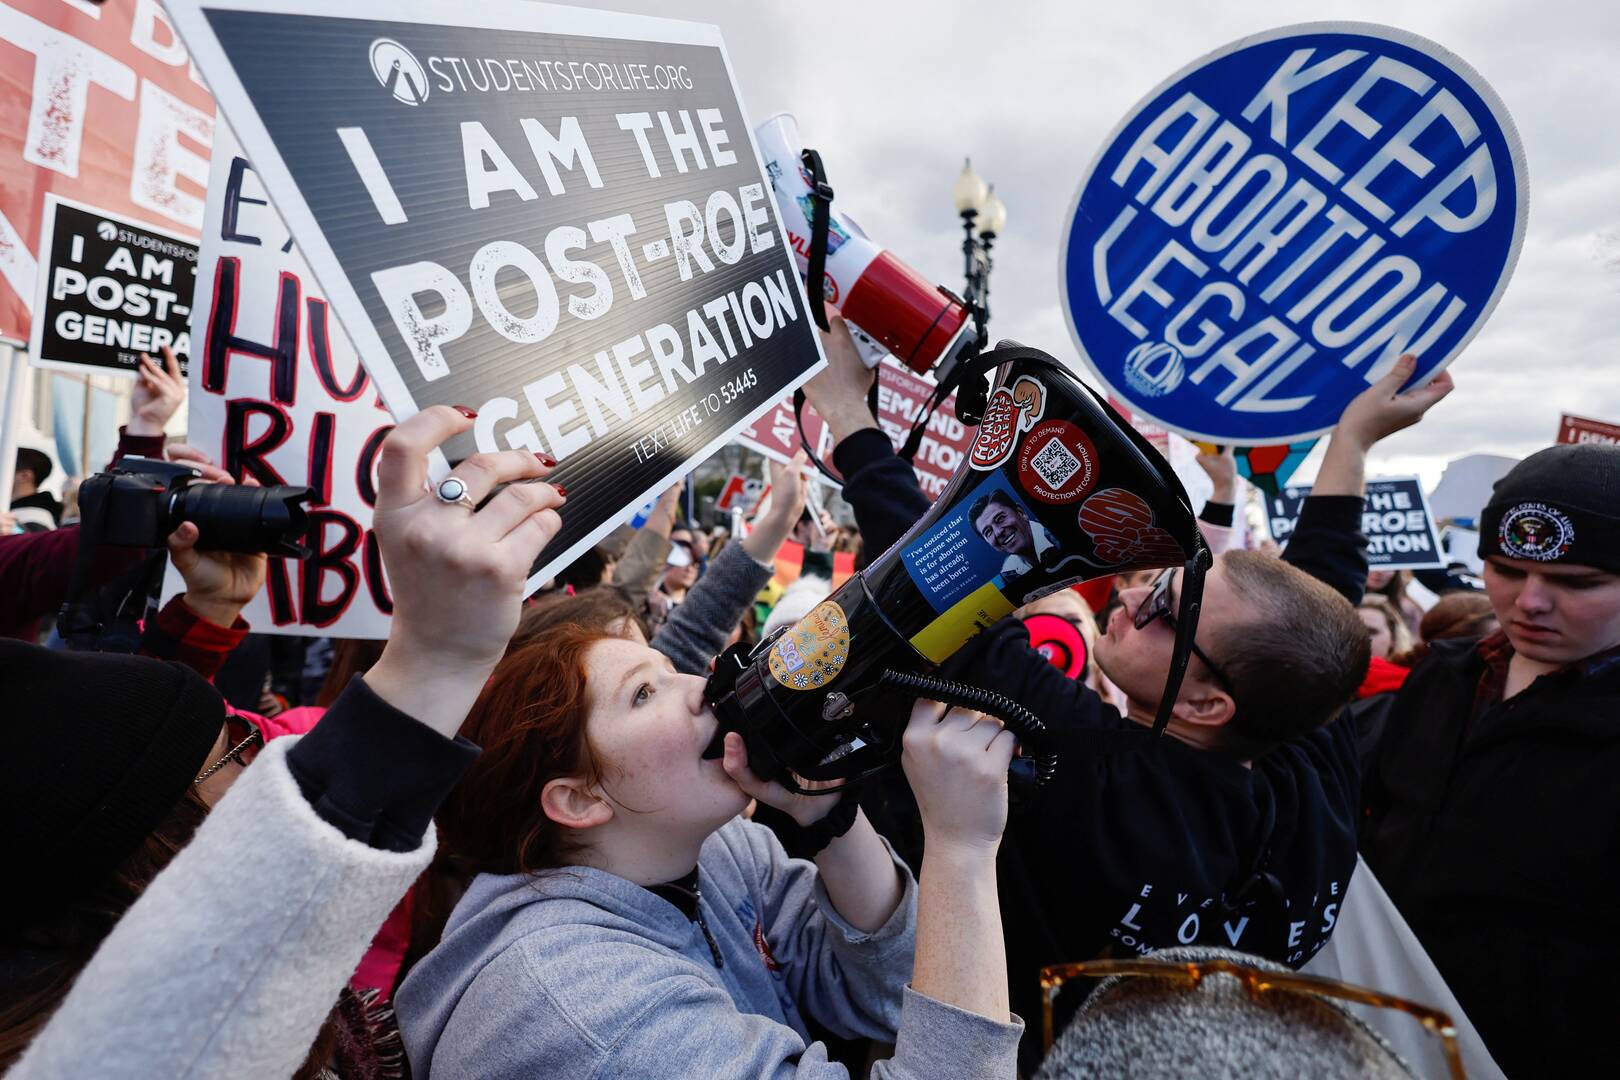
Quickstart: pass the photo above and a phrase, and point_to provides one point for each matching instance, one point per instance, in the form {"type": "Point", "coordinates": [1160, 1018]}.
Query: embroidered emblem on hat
{"type": "Point", "coordinates": [1535, 531]}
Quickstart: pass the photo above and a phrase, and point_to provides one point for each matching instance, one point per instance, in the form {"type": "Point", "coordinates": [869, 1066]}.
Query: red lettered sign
{"type": "Point", "coordinates": [901, 396]}
{"type": "Point", "coordinates": [1578, 429]}
{"type": "Point", "coordinates": [101, 106]}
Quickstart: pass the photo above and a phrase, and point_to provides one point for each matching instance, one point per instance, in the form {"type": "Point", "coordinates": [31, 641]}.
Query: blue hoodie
{"type": "Point", "coordinates": [579, 973]}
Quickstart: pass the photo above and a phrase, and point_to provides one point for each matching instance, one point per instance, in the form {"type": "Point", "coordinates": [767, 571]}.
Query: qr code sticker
{"type": "Point", "coordinates": [1055, 464]}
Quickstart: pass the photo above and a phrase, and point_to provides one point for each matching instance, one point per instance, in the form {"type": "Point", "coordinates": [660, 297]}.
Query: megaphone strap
{"type": "Point", "coordinates": [821, 193]}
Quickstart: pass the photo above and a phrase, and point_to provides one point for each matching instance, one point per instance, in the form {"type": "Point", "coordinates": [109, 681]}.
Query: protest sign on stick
{"type": "Point", "coordinates": [1400, 530]}
{"type": "Point", "coordinates": [103, 107]}
{"type": "Point", "coordinates": [1274, 225]}
{"type": "Point", "coordinates": [901, 396]}
{"type": "Point", "coordinates": [1270, 467]}
{"type": "Point", "coordinates": [1578, 429]}
{"type": "Point", "coordinates": [278, 395]}
{"type": "Point", "coordinates": [553, 216]}
{"type": "Point", "coordinates": [741, 493]}
{"type": "Point", "coordinates": [109, 290]}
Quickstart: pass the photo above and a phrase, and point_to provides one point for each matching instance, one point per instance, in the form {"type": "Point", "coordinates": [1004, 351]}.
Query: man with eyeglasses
{"type": "Point", "coordinates": [1493, 815]}
{"type": "Point", "coordinates": [1239, 828]}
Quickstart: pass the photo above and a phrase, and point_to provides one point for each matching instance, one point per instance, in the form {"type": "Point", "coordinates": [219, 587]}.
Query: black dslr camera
{"type": "Point", "coordinates": [139, 501]}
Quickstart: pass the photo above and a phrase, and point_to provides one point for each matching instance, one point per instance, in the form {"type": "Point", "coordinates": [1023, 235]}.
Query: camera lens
{"type": "Point", "coordinates": [230, 517]}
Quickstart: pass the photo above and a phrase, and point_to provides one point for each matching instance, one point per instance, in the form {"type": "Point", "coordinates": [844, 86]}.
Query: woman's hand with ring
{"type": "Point", "coordinates": [456, 576]}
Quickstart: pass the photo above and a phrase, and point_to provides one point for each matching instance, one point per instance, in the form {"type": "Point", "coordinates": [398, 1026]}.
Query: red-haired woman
{"type": "Point", "coordinates": [627, 922]}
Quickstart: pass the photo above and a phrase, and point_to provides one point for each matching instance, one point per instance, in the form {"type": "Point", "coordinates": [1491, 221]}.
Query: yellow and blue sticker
{"type": "Point", "coordinates": [814, 651]}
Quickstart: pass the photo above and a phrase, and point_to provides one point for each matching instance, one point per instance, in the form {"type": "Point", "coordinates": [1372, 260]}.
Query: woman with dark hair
{"type": "Point", "coordinates": [625, 921]}
{"type": "Point", "coordinates": [234, 945]}
{"type": "Point", "coordinates": [1459, 614]}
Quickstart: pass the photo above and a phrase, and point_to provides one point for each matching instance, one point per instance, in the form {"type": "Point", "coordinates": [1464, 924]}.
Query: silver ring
{"type": "Point", "coordinates": [454, 490]}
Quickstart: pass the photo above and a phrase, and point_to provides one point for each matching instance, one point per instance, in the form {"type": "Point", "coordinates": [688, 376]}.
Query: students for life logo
{"type": "Point", "coordinates": [399, 72]}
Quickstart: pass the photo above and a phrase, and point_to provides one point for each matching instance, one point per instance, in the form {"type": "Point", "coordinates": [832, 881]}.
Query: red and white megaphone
{"type": "Point", "coordinates": [890, 307]}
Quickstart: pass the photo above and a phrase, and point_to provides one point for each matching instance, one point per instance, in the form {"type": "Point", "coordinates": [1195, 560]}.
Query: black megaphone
{"type": "Point", "coordinates": [1056, 489]}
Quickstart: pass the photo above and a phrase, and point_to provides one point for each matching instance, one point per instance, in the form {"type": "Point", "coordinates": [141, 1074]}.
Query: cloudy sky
{"type": "Point", "coordinates": [895, 93]}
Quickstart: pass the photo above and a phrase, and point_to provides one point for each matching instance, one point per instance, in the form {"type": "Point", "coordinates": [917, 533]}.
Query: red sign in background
{"type": "Point", "coordinates": [901, 395]}
{"type": "Point", "coordinates": [1578, 429]}
{"type": "Point", "coordinates": [98, 103]}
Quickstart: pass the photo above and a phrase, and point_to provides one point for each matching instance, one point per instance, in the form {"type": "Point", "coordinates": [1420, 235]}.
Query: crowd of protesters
{"type": "Point", "coordinates": [512, 840]}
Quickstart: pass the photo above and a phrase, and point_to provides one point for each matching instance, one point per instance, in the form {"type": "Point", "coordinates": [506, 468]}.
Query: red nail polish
{"type": "Point", "coordinates": [464, 411]}
{"type": "Point", "coordinates": [547, 460]}
{"type": "Point", "coordinates": [562, 491]}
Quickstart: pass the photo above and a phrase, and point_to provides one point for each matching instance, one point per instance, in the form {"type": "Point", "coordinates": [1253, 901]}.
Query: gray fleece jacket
{"type": "Point", "coordinates": [578, 973]}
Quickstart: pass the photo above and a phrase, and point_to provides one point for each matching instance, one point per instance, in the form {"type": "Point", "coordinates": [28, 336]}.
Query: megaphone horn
{"type": "Point", "coordinates": [1056, 489]}
{"type": "Point", "coordinates": [890, 308]}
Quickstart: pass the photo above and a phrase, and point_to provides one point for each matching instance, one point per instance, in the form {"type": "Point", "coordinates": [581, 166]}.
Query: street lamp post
{"type": "Point", "coordinates": [983, 215]}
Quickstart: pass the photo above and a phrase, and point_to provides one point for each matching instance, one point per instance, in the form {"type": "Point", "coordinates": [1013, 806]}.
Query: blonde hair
{"type": "Point", "coordinates": [1400, 636]}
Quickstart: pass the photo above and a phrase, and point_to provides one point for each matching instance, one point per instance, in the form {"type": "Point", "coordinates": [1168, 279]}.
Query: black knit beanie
{"type": "Point", "coordinates": [1561, 504]}
{"type": "Point", "coordinates": [95, 751]}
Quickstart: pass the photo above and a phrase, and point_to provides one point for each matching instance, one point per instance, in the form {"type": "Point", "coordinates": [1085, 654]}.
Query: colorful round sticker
{"type": "Point", "coordinates": [813, 652]}
{"type": "Point", "coordinates": [1056, 462]}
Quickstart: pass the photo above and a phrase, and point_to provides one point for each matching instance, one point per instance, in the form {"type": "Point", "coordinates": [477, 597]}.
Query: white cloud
{"type": "Point", "coordinates": [895, 94]}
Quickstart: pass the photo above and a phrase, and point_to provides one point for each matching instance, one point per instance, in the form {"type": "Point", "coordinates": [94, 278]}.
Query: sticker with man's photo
{"type": "Point", "coordinates": [990, 537]}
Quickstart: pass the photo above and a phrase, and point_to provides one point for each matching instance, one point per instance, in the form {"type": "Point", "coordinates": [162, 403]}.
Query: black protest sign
{"type": "Point", "coordinates": [556, 217]}
{"type": "Point", "coordinates": [108, 290]}
{"type": "Point", "coordinates": [1395, 519]}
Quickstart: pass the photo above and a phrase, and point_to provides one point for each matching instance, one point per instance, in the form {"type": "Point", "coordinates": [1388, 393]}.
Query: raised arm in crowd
{"type": "Point", "coordinates": [1239, 828]}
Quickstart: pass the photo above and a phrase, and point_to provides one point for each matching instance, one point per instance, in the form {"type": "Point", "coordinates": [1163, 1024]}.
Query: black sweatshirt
{"type": "Point", "coordinates": [1144, 843]}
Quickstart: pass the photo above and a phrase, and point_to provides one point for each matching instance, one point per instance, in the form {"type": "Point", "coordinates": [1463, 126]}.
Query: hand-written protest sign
{"type": "Point", "coordinates": [901, 396]}
{"type": "Point", "coordinates": [278, 395]}
{"type": "Point", "coordinates": [109, 289]}
{"type": "Point", "coordinates": [1578, 429]}
{"type": "Point", "coordinates": [553, 216]}
{"type": "Point", "coordinates": [1396, 521]}
{"type": "Point", "coordinates": [103, 106]}
{"type": "Point", "coordinates": [1273, 226]}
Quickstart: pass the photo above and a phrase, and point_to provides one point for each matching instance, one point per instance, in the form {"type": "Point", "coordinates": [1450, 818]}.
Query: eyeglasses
{"type": "Point", "coordinates": [1157, 605]}
{"type": "Point", "coordinates": [241, 734]}
{"type": "Point", "coordinates": [1187, 975]}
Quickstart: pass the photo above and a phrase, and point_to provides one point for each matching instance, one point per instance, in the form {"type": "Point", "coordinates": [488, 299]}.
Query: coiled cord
{"type": "Point", "coordinates": [1019, 720]}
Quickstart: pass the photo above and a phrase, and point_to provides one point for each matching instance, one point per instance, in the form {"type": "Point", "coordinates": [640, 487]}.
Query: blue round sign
{"type": "Point", "coordinates": [1270, 229]}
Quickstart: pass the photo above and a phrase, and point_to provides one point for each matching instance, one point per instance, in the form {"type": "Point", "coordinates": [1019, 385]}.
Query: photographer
{"type": "Point", "coordinates": [36, 568]}
{"type": "Point", "coordinates": [252, 928]}
{"type": "Point", "coordinates": [1238, 829]}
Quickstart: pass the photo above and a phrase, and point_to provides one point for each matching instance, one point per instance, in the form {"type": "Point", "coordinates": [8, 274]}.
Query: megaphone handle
{"type": "Point", "coordinates": [1019, 720]}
